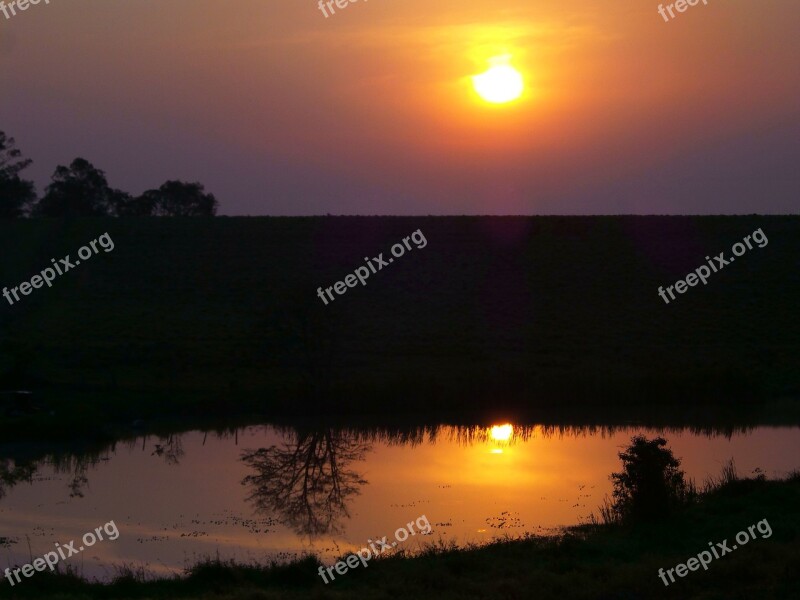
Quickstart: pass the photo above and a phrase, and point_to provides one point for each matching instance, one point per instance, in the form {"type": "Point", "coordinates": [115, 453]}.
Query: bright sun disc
{"type": "Point", "coordinates": [501, 433]}
{"type": "Point", "coordinates": [499, 84]}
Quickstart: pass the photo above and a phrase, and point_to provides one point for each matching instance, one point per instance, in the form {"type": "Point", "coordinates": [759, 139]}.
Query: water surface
{"type": "Point", "coordinates": [266, 492]}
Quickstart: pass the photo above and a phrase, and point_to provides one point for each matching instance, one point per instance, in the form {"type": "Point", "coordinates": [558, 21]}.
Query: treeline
{"type": "Point", "coordinates": [81, 190]}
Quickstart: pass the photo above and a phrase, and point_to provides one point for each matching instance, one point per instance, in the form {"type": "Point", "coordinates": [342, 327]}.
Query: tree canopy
{"type": "Point", "coordinates": [82, 190]}
{"type": "Point", "coordinates": [177, 199]}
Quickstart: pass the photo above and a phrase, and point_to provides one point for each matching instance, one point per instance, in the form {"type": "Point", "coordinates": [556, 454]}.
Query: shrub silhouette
{"type": "Point", "coordinates": [651, 484]}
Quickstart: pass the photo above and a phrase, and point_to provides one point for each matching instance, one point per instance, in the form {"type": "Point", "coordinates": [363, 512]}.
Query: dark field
{"type": "Point", "coordinates": [213, 323]}
{"type": "Point", "coordinates": [221, 316]}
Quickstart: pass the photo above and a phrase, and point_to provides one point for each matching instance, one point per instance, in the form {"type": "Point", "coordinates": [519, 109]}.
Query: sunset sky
{"type": "Point", "coordinates": [280, 111]}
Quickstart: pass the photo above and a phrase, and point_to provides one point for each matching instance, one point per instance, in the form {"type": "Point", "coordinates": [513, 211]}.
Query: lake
{"type": "Point", "coordinates": [268, 492]}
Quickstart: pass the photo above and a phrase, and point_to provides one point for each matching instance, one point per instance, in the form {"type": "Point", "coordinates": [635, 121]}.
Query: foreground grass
{"type": "Point", "coordinates": [587, 562]}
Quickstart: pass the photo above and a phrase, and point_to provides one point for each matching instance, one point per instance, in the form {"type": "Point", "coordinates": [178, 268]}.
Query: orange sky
{"type": "Point", "coordinates": [279, 110]}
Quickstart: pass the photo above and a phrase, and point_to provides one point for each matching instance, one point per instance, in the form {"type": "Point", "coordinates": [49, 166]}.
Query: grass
{"type": "Point", "coordinates": [599, 561]}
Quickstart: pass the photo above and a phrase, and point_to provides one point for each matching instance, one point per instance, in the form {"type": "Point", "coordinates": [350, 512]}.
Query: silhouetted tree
{"type": "Point", "coordinates": [79, 190]}
{"type": "Point", "coordinates": [16, 194]}
{"type": "Point", "coordinates": [306, 482]}
{"type": "Point", "coordinates": [179, 199]}
{"type": "Point", "coordinates": [11, 161]}
{"type": "Point", "coordinates": [651, 484]}
{"type": "Point", "coordinates": [141, 206]}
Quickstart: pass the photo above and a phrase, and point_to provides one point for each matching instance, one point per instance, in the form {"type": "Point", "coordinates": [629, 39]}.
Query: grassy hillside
{"type": "Point", "coordinates": [502, 312]}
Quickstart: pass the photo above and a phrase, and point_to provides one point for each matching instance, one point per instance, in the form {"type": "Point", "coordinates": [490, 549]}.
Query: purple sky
{"type": "Point", "coordinates": [280, 111]}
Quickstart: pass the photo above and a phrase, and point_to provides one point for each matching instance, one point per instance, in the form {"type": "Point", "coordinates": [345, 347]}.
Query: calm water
{"type": "Point", "coordinates": [264, 492]}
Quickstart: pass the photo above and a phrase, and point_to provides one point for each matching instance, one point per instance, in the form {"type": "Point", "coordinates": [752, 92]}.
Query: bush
{"type": "Point", "coordinates": [651, 484]}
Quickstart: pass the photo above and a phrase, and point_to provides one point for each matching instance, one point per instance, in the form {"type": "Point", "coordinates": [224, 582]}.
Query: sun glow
{"type": "Point", "coordinates": [500, 83]}
{"type": "Point", "coordinates": [502, 433]}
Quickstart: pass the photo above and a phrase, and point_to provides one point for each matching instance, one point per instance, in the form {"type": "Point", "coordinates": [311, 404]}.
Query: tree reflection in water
{"type": "Point", "coordinates": [13, 472]}
{"type": "Point", "coordinates": [307, 482]}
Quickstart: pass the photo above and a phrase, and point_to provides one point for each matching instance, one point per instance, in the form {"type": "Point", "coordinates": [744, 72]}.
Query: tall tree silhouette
{"type": "Point", "coordinates": [178, 199]}
{"type": "Point", "coordinates": [307, 482]}
{"type": "Point", "coordinates": [16, 194]}
{"type": "Point", "coordinates": [79, 190]}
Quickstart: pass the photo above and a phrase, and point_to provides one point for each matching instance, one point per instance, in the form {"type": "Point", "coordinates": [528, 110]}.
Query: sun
{"type": "Point", "coordinates": [499, 84]}
{"type": "Point", "coordinates": [501, 433]}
